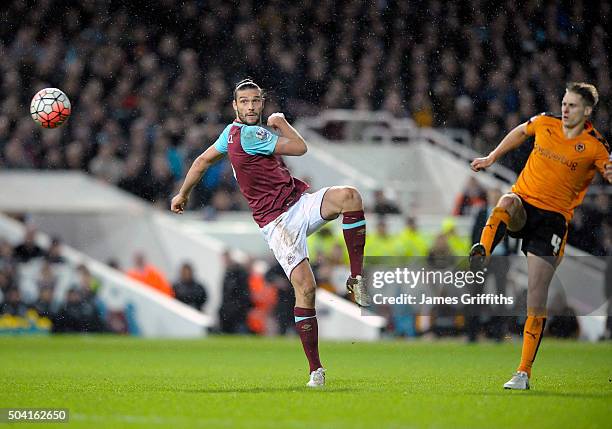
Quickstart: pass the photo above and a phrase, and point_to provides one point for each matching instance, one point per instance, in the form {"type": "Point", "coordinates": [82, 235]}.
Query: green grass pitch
{"type": "Point", "coordinates": [244, 382]}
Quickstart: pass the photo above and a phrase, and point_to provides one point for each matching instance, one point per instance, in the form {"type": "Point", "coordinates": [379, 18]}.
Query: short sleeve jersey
{"type": "Point", "coordinates": [263, 178]}
{"type": "Point", "coordinates": [559, 170]}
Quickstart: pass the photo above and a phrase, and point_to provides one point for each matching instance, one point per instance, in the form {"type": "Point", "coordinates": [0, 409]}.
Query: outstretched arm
{"type": "Point", "coordinates": [194, 175]}
{"type": "Point", "coordinates": [513, 140]}
{"type": "Point", "coordinates": [290, 142]}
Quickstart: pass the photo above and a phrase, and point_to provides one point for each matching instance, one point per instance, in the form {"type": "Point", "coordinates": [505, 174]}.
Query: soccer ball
{"type": "Point", "coordinates": [50, 107]}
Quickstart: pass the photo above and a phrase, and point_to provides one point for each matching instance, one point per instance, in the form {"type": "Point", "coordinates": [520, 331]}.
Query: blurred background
{"type": "Point", "coordinates": [394, 97]}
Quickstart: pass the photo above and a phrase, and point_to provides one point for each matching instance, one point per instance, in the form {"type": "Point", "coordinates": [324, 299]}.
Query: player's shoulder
{"type": "Point", "coordinates": [545, 117]}
{"type": "Point", "coordinates": [226, 130]}
{"type": "Point", "coordinates": [223, 139]}
{"type": "Point", "coordinates": [255, 133]}
{"type": "Point", "coordinates": [599, 138]}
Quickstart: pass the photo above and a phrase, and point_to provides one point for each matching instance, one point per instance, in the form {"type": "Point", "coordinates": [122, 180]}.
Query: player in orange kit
{"type": "Point", "coordinates": [567, 152]}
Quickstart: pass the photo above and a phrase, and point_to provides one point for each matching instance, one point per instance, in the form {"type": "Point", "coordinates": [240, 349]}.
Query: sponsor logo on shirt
{"type": "Point", "coordinates": [554, 156]}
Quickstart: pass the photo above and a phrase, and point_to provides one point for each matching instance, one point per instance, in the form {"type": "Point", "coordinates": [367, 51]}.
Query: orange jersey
{"type": "Point", "coordinates": [559, 170]}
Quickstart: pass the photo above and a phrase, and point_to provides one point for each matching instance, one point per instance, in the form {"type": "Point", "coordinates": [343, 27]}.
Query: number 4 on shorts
{"type": "Point", "coordinates": [556, 244]}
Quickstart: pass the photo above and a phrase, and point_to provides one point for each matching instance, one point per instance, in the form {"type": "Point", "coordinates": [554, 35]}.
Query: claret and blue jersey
{"type": "Point", "coordinates": [263, 178]}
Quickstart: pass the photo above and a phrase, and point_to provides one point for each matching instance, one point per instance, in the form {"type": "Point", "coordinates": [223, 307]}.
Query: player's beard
{"type": "Point", "coordinates": [249, 120]}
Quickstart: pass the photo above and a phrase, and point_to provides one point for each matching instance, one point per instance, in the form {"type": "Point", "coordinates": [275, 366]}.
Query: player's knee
{"type": "Point", "coordinates": [351, 196]}
{"type": "Point", "coordinates": [510, 202]}
{"type": "Point", "coordinates": [306, 291]}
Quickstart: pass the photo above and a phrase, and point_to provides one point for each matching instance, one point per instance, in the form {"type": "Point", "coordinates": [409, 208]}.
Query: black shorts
{"type": "Point", "coordinates": [544, 233]}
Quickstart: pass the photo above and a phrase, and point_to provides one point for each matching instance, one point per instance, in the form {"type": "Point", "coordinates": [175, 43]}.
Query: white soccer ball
{"type": "Point", "coordinates": [50, 107]}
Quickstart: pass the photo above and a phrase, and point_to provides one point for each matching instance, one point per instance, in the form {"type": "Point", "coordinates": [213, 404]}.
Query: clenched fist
{"type": "Point", "coordinates": [178, 203]}
{"type": "Point", "coordinates": [482, 163]}
{"type": "Point", "coordinates": [276, 120]}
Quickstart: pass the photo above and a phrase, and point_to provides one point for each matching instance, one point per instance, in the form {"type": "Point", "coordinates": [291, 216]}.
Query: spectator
{"type": "Point", "coordinates": [13, 305]}
{"type": "Point", "coordinates": [188, 290]}
{"type": "Point", "coordinates": [6, 283]}
{"type": "Point", "coordinates": [46, 277]}
{"type": "Point", "coordinates": [54, 253]}
{"type": "Point", "coordinates": [235, 302]}
{"type": "Point", "coordinates": [440, 253]}
{"type": "Point", "coordinates": [459, 245]}
{"type": "Point", "coordinates": [382, 205]}
{"type": "Point", "coordinates": [323, 272]}
{"type": "Point", "coordinates": [472, 199]}
{"type": "Point", "coordinates": [44, 304]}
{"type": "Point", "coordinates": [381, 243]}
{"type": "Point", "coordinates": [447, 246]}
{"type": "Point", "coordinates": [113, 263]}
{"type": "Point", "coordinates": [412, 241]}
{"type": "Point", "coordinates": [106, 165]}
{"type": "Point", "coordinates": [263, 297]}
{"type": "Point", "coordinates": [159, 184]}
{"type": "Point", "coordinates": [285, 298]}
{"type": "Point", "coordinates": [28, 249]}
{"type": "Point", "coordinates": [7, 257]}
{"type": "Point", "coordinates": [150, 275]}
{"type": "Point", "coordinates": [320, 245]}
{"type": "Point", "coordinates": [77, 314]}
{"type": "Point", "coordinates": [87, 284]}
{"type": "Point", "coordinates": [133, 180]}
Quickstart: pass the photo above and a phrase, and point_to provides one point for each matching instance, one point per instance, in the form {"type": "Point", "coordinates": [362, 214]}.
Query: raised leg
{"type": "Point", "coordinates": [508, 214]}
{"type": "Point", "coordinates": [346, 200]}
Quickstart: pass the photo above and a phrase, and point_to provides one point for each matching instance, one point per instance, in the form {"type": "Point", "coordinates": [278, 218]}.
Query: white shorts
{"type": "Point", "coordinates": [286, 235]}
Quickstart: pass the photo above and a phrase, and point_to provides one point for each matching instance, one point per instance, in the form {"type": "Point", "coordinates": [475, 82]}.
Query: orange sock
{"type": "Point", "coordinates": [532, 336]}
{"type": "Point", "coordinates": [494, 230]}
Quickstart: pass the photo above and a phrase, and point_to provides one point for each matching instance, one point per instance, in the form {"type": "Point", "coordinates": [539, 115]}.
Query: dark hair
{"type": "Point", "coordinates": [247, 83]}
{"type": "Point", "coordinates": [587, 91]}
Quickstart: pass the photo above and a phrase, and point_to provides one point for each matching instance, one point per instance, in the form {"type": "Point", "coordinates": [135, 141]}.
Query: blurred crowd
{"type": "Point", "coordinates": [40, 287]}
{"type": "Point", "coordinates": [50, 306]}
{"type": "Point", "coordinates": [77, 311]}
{"type": "Point", "coordinates": [151, 82]}
{"type": "Point", "coordinates": [257, 298]}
